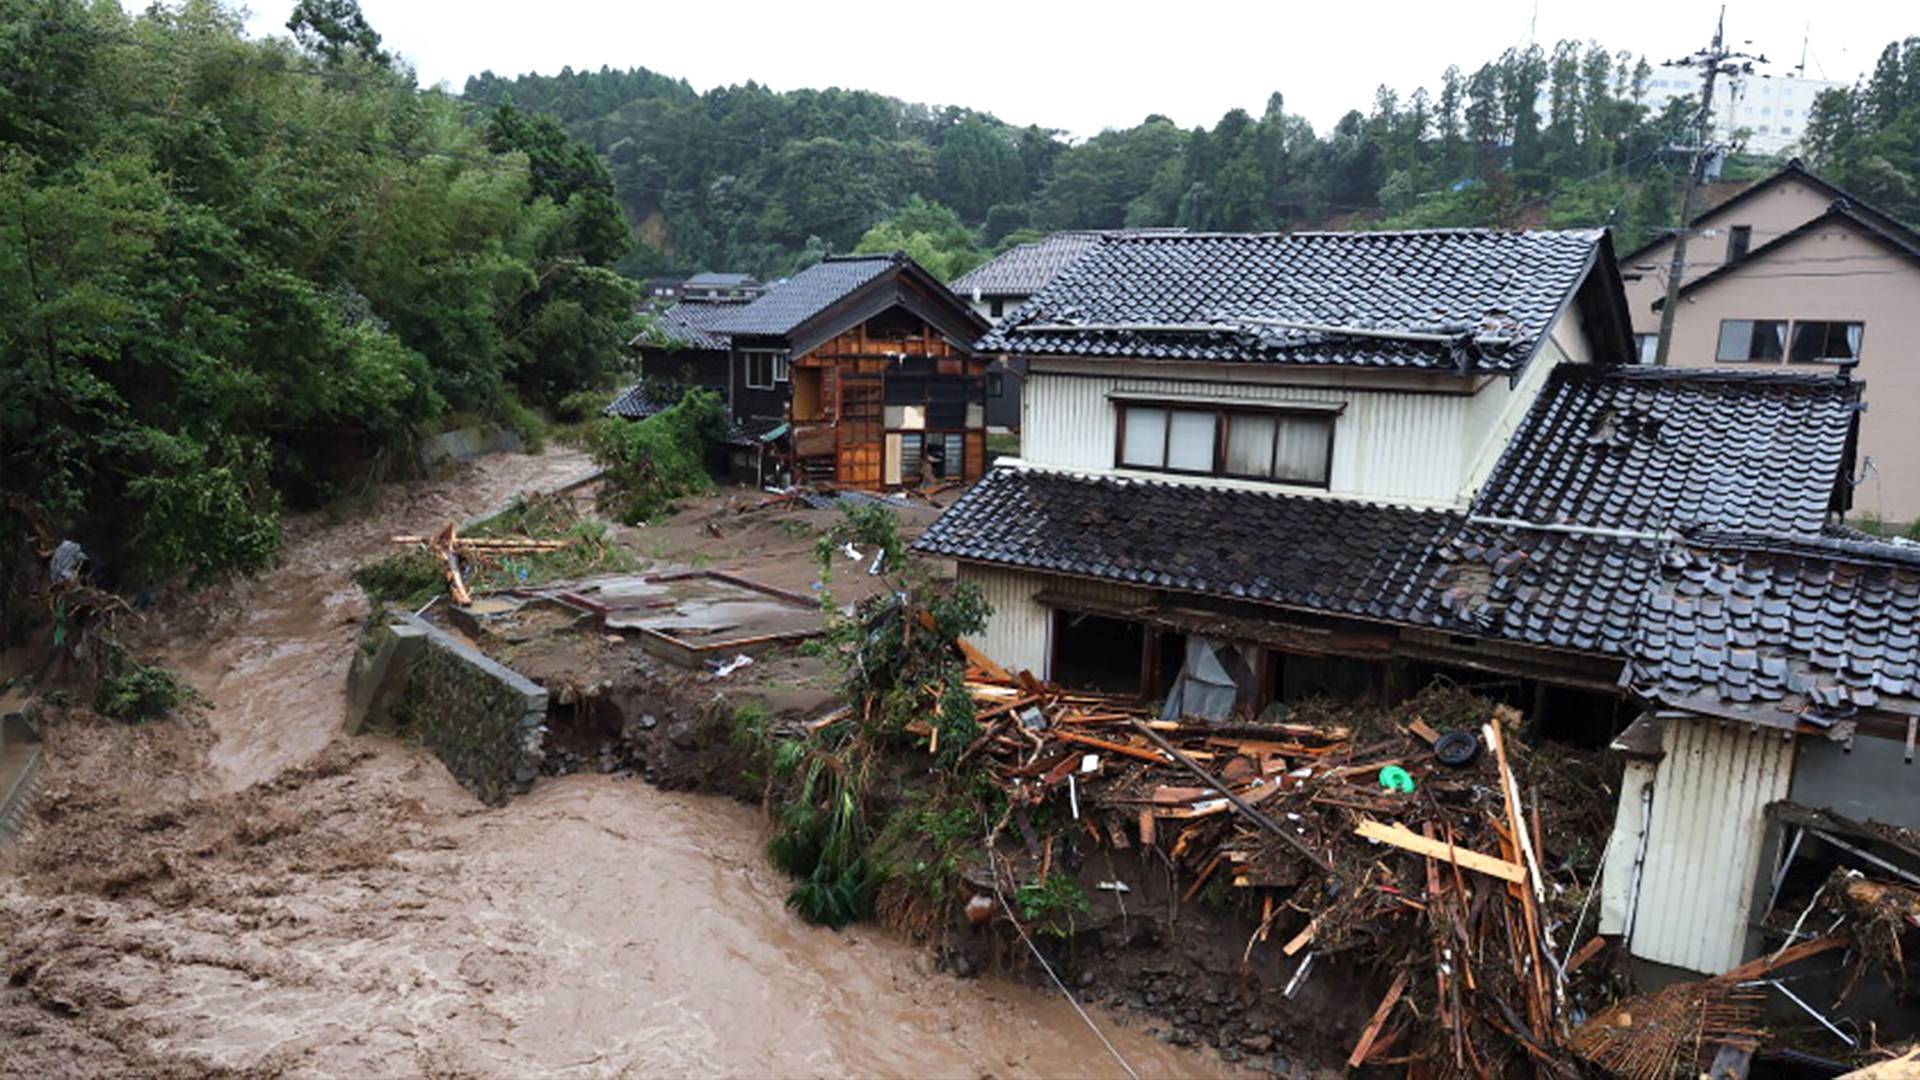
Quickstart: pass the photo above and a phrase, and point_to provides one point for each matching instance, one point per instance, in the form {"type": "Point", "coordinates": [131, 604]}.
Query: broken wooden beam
{"type": "Point", "coordinates": [1239, 803]}
{"type": "Point", "coordinates": [1402, 837]}
{"type": "Point", "coordinates": [1372, 1031]}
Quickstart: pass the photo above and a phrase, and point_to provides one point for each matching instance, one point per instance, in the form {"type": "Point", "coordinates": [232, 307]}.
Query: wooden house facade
{"type": "Point", "coordinates": [860, 372]}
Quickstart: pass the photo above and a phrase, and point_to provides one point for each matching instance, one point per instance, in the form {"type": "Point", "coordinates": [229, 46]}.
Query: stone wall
{"type": "Point", "coordinates": [21, 764]}
{"type": "Point", "coordinates": [486, 722]}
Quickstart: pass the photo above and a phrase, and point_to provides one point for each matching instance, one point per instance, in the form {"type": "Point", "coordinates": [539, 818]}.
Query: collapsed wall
{"type": "Point", "coordinates": [485, 721]}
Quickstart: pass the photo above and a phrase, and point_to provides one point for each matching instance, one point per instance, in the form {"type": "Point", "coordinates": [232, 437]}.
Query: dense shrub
{"type": "Point", "coordinates": [651, 462]}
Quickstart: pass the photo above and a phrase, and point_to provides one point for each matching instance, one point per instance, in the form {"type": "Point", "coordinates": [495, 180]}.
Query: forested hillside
{"type": "Point", "coordinates": [744, 177]}
{"type": "Point", "coordinates": [239, 274]}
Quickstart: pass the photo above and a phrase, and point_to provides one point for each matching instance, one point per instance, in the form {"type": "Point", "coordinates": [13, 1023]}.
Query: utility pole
{"type": "Point", "coordinates": [1716, 60]}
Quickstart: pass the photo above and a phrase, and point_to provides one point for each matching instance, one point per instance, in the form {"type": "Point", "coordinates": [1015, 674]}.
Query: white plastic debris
{"type": "Point", "coordinates": [727, 668]}
{"type": "Point", "coordinates": [1114, 886]}
{"type": "Point", "coordinates": [1089, 763]}
{"type": "Point", "coordinates": [852, 552]}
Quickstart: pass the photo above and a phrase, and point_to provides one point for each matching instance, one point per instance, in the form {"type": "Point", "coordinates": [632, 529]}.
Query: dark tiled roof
{"type": "Point", "coordinates": [1654, 448]}
{"type": "Point", "coordinates": [1557, 590]}
{"type": "Point", "coordinates": [1429, 568]}
{"type": "Point", "coordinates": [1316, 553]}
{"type": "Point", "coordinates": [1191, 296]}
{"type": "Point", "coordinates": [1025, 269]}
{"type": "Point", "coordinates": [637, 402]}
{"type": "Point", "coordinates": [1773, 630]}
{"type": "Point", "coordinates": [689, 324]}
{"type": "Point", "coordinates": [1683, 608]}
{"type": "Point", "coordinates": [788, 304]}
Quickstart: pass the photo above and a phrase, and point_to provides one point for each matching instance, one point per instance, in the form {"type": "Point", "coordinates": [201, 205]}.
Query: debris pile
{"type": "Point", "coordinates": [1427, 844]}
{"type": "Point", "coordinates": [458, 554]}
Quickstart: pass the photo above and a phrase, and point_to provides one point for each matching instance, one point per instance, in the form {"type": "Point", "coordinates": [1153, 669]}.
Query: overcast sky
{"type": "Point", "coordinates": [1085, 67]}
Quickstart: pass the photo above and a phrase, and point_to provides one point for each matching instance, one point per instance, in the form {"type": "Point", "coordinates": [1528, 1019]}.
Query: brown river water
{"type": "Point", "coordinates": [269, 899]}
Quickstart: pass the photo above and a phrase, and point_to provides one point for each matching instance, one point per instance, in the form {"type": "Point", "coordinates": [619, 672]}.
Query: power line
{"type": "Point", "coordinates": [1718, 60]}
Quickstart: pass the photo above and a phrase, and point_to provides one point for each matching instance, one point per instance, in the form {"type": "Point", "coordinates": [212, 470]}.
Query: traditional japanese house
{"type": "Point", "coordinates": [1276, 467]}
{"type": "Point", "coordinates": [859, 371]}
{"type": "Point", "coordinates": [679, 350]}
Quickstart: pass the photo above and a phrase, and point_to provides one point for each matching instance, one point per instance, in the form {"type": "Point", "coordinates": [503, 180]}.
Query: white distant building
{"type": "Point", "coordinates": [1772, 109]}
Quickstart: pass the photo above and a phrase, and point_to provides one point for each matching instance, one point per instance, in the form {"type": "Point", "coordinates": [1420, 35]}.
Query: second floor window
{"type": "Point", "coordinates": [1752, 339]}
{"type": "Point", "coordinates": [1739, 240]}
{"type": "Point", "coordinates": [1282, 447]}
{"type": "Point", "coordinates": [764, 369]}
{"type": "Point", "coordinates": [1826, 342]}
{"type": "Point", "coordinates": [1802, 341]}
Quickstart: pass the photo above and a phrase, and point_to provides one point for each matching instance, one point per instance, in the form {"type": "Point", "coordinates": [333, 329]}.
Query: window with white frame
{"type": "Point", "coordinates": [765, 368]}
{"type": "Point", "coordinates": [1249, 444]}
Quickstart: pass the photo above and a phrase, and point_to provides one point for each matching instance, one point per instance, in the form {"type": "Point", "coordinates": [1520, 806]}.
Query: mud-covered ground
{"type": "Point", "coordinates": [247, 892]}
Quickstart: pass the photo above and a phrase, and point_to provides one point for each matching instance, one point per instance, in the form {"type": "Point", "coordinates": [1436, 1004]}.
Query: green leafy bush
{"type": "Point", "coordinates": [651, 462]}
{"type": "Point", "coordinates": [409, 579]}
{"type": "Point", "coordinates": [1050, 904]}
{"type": "Point", "coordinates": [135, 691]}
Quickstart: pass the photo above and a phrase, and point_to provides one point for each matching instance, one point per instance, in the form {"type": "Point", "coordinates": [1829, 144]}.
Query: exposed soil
{"type": "Point", "coordinates": [246, 892]}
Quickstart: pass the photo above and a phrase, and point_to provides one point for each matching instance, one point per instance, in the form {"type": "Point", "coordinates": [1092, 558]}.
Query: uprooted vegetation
{"type": "Point", "coordinates": [651, 462]}
{"type": "Point", "coordinates": [535, 540]}
{"type": "Point", "coordinates": [831, 831]}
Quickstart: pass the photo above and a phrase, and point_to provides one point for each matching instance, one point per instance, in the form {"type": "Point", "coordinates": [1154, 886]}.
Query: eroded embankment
{"type": "Point", "coordinates": [247, 893]}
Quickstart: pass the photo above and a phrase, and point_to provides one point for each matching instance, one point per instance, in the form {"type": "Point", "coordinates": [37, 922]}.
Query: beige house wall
{"type": "Point", "coordinates": [1837, 273]}
{"type": "Point", "coordinates": [1771, 214]}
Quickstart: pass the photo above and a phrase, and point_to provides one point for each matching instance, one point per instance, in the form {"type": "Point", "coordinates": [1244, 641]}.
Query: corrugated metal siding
{"type": "Point", "coordinates": [1616, 876]}
{"type": "Point", "coordinates": [1017, 631]}
{"type": "Point", "coordinates": [1703, 848]}
{"type": "Point", "coordinates": [1387, 445]}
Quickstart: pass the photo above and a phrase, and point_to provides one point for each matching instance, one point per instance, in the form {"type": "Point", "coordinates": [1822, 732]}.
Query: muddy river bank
{"type": "Point", "coordinates": [246, 892]}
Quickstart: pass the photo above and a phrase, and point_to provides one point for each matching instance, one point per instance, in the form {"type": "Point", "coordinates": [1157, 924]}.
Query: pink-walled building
{"type": "Point", "coordinates": [1795, 274]}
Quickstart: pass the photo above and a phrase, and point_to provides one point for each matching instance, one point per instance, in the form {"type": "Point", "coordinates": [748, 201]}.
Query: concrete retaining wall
{"type": "Point", "coordinates": [21, 765]}
{"type": "Point", "coordinates": [486, 722]}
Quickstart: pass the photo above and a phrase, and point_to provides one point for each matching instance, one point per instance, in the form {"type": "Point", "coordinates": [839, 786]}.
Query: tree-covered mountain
{"type": "Point", "coordinates": [744, 177]}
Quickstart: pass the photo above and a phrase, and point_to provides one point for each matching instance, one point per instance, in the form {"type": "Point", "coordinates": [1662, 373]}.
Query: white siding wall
{"type": "Point", "coordinates": [1704, 841]}
{"type": "Point", "coordinates": [1016, 634]}
{"type": "Point", "coordinates": [1017, 631]}
{"type": "Point", "coordinates": [1393, 441]}
{"type": "Point", "coordinates": [1387, 445]}
{"type": "Point", "coordinates": [1497, 410]}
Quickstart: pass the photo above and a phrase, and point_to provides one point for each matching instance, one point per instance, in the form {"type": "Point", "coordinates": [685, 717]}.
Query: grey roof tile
{"type": "Point", "coordinates": [788, 304]}
{"type": "Point", "coordinates": [689, 324]}
{"type": "Point", "coordinates": [1191, 296]}
{"type": "Point", "coordinates": [1820, 657]}
{"type": "Point", "coordinates": [1025, 269]}
{"type": "Point", "coordinates": [1656, 448]}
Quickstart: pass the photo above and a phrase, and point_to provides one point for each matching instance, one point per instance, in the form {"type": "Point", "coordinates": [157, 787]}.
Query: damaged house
{"type": "Point", "coordinates": [1259, 468]}
{"type": "Point", "coordinates": [858, 371]}
{"type": "Point", "coordinates": [679, 349]}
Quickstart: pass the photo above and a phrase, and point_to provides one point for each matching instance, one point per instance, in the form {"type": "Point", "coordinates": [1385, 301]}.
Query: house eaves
{"type": "Point", "coordinates": [1893, 237]}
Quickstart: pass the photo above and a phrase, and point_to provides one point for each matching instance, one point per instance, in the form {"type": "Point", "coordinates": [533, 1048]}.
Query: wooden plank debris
{"type": "Point", "coordinates": [1364, 1047]}
{"type": "Point", "coordinates": [1402, 837]}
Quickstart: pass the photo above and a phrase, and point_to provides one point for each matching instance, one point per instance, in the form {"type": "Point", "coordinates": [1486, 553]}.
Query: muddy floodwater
{"type": "Point", "coordinates": [257, 895]}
